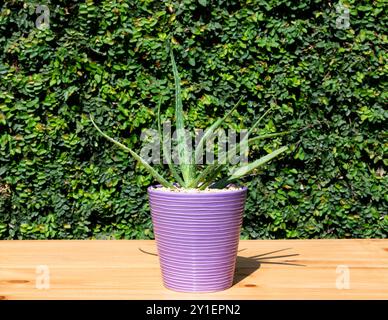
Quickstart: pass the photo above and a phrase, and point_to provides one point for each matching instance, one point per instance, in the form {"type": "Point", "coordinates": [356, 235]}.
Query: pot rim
{"type": "Point", "coordinates": [154, 190]}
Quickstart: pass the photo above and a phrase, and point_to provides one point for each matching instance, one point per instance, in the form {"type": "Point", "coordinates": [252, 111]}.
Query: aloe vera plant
{"type": "Point", "coordinates": [186, 173]}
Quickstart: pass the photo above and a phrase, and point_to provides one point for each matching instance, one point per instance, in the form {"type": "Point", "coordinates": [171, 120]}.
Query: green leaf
{"type": "Point", "coordinates": [244, 170]}
{"type": "Point", "coordinates": [209, 170]}
{"type": "Point", "coordinates": [166, 151]}
{"type": "Point", "coordinates": [254, 126]}
{"type": "Point", "coordinates": [150, 170]}
{"type": "Point", "coordinates": [267, 136]}
{"type": "Point", "coordinates": [211, 130]}
{"type": "Point", "coordinates": [212, 176]}
{"type": "Point", "coordinates": [185, 158]}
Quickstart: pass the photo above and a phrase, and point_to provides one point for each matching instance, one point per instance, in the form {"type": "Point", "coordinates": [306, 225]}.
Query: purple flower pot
{"type": "Point", "coordinates": [197, 237]}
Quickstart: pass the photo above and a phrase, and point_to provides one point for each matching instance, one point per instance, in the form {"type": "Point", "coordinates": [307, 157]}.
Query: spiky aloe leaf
{"type": "Point", "coordinates": [209, 169]}
{"type": "Point", "coordinates": [209, 132]}
{"type": "Point", "coordinates": [212, 176]}
{"type": "Point", "coordinates": [185, 157]}
{"type": "Point", "coordinates": [166, 151]}
{"type": "Point", "coordinates": [235, 149]}
{"type": "Point", "coordinates": [244, 170]}
{"type": "Point", "coordinates": [150, 170]}
{"type": "Point", "coordinates": [210, 173]}
{"type": "Point", "coordinates": [254, 126]}
{"type": "Point", "coordinates": [246, 139]}
{"type": "Point", "coordinates": [267, 136]}
{"type": "Point", "coordinates": [221, 183]}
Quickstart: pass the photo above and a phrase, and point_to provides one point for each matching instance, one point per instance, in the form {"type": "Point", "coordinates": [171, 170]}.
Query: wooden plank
{"type": "Point", "coordinates": [266, 269]}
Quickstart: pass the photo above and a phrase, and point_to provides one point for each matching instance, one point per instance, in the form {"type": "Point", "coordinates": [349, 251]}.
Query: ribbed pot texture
{"type": "Point", "coordinates": [197, 237]}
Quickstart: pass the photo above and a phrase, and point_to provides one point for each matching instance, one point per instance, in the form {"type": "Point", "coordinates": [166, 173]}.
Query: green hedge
{"type": "Point", "coordinates": [58, 179]}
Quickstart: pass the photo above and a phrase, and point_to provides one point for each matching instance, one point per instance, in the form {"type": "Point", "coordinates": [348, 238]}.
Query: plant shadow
{"type": "Point", "coordinates": [245, 266]}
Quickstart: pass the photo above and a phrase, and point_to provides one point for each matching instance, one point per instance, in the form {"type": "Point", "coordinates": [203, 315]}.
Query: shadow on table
{"type": "Point", "coordinates": [245, 266]}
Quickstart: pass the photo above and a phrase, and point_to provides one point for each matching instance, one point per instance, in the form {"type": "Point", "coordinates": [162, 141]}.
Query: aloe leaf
{"type": "Point", "coordinates": [166, 152]}
{"type": "Point", "coordinates": [267, 136]}
{"type": "Point", "coordinates": [212, 176]}
{"type": "Point", "coordinates": [253, 140]}
{"type": "Point", "coordinates": [221, 183]}
{"type": "Point", "coordinates": [186, 165]}
{"type": "Point", "coordinates": [254, 126]}
{"type": "Point", "coordinates": [150, 170]}
{"type": "Point", "coordinates": [209, 174]}
{"type": "Point", "coordinates": [209, 170]}
{"type": "Point", "coordinates": [235, 149]}
{"type": "Point", "coordinates": [211, 130]}
{"type": "Point", "coordinates": [244, 170]}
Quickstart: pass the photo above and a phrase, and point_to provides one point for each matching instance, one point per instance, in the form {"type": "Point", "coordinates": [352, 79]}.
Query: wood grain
{"type": "Point", "coordinates": [266, 269]}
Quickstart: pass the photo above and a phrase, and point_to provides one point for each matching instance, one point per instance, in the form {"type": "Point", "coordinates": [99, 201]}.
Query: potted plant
{"type": "Point", "coordinates": [197, 218]}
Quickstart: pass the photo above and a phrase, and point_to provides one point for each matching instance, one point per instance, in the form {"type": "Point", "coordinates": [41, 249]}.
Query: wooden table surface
{"type": "Point", "coordinates": [266, 269]}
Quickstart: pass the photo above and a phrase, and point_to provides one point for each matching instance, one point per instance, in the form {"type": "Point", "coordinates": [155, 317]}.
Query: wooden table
{"type": "Point", "coordinates": [266, 269]}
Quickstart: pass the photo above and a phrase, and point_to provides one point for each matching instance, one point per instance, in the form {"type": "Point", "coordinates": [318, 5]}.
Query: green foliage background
{"type": "Point", "coordinates": [58, 179]}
